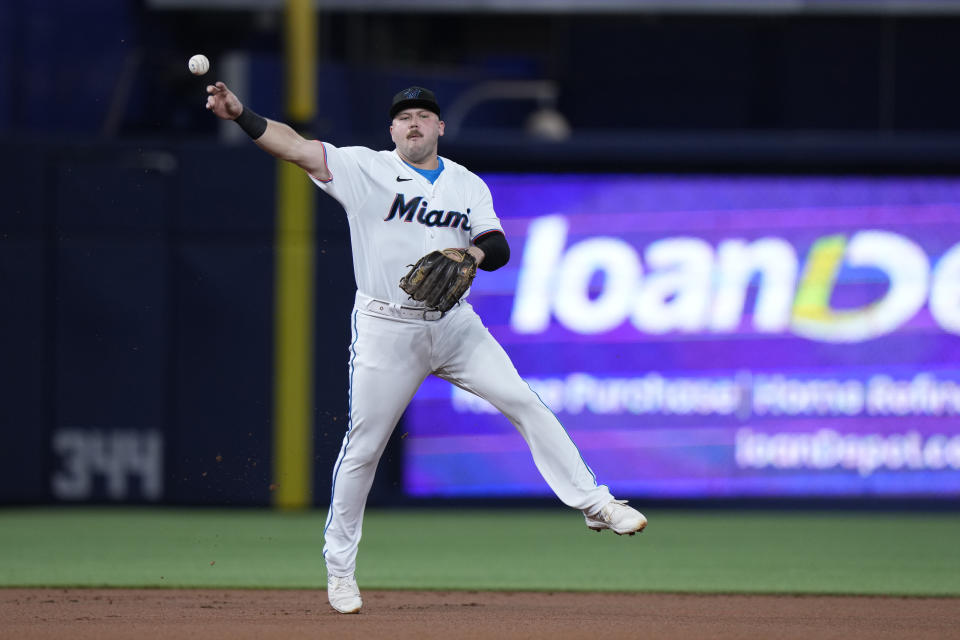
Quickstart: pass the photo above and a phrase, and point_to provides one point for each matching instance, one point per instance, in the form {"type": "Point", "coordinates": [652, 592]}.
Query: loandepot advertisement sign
{"type": "Point", "coordinates": [717, 336]}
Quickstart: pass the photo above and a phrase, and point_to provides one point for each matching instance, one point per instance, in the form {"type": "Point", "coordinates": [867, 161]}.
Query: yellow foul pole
{"type": "Point", "coordinates": [294, 276]}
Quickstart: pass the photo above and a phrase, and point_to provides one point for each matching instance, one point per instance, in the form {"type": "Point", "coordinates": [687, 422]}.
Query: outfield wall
{"type": "Point", "coordinates": [137, 323]}
{"type": "Point", "coordinates": [729, 336]}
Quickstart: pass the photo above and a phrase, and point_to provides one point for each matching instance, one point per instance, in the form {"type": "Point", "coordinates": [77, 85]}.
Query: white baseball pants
{"type": "Point", "coordinates": [390, 356]}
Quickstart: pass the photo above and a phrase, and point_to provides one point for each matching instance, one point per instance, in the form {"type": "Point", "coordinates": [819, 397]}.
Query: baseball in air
{"type": "Point", "coordinates": [198, 64]}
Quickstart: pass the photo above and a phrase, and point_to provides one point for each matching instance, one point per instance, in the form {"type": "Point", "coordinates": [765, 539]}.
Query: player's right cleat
{"type": "Point", "coordinates": [343, 593]}
{"type": "Point", "coordinates": [618, 517]}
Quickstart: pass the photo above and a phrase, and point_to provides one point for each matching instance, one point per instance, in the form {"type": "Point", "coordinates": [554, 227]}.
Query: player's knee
{"type": "Point", "coordinates": [359, 457]}
{"type": "Point", "coordinates": [520, 402]}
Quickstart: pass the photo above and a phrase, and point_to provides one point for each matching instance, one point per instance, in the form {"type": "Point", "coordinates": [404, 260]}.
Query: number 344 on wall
{"type": "Point", "coordinates": [94, 462]}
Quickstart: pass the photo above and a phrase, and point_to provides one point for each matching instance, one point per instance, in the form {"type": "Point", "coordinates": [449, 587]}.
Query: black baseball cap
{"type": "Point", "coordinates": [414, 97]}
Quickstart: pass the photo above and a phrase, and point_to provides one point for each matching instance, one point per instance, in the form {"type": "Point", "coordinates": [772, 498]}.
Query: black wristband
{"type": "Point", "coordinates": [252, 123]}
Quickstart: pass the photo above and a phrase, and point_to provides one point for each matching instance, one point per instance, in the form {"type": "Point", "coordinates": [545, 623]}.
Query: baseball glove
{"type": "Point", "coordinates": [440, 278]}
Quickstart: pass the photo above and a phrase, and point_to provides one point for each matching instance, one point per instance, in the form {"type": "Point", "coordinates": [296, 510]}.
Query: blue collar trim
{"type": "Point", "coordinates": [429, 174]}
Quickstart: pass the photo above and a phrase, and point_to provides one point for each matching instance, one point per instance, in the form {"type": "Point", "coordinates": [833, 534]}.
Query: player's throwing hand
{"type": "Point", "coordinates": [223, 102]}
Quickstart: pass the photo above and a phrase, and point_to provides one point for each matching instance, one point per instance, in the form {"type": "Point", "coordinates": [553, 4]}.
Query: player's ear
{"type": "Point", "coordinates": [441, 127]}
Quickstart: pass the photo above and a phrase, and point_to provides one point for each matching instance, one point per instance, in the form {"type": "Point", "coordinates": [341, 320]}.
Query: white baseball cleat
{"type": "Point", "coordinates": [618, 517]}
{"type": "Point", "coordinates": [343, 593]}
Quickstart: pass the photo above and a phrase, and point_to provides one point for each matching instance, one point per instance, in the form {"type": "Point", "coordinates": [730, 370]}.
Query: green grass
{"type": "Point", "coordinates": [681, 551]}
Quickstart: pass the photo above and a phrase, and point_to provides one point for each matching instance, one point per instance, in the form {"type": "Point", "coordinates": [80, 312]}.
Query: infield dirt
{"type": "Point", "coordinates": [106, 614]}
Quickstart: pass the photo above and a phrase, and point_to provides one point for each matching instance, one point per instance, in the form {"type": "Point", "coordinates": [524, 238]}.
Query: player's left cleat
{"type": "Point", "coordinates": [343, 593]}
{"type": "Point", "coordinates": [618, 517]}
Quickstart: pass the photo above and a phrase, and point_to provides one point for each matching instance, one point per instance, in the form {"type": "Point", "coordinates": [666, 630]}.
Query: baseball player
{"type": "Point", "coordinates": [401, 205]}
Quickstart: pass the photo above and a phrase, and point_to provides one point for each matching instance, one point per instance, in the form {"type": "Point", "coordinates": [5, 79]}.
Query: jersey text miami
{"type": "Point", "coordinates": [402, 210]}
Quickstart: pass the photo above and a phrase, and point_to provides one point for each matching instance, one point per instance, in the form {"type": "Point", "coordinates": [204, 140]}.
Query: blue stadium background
{"type": "Point", "coordinates": [136, 234]}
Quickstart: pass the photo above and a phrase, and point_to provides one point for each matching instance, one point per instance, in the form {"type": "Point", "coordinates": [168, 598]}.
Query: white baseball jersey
{"type": "Point", "coordinates": [396, 215]}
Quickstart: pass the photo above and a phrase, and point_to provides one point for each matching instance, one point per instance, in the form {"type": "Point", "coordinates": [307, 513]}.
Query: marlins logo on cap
{"type": "Point", "coordinates": [414, 97]}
